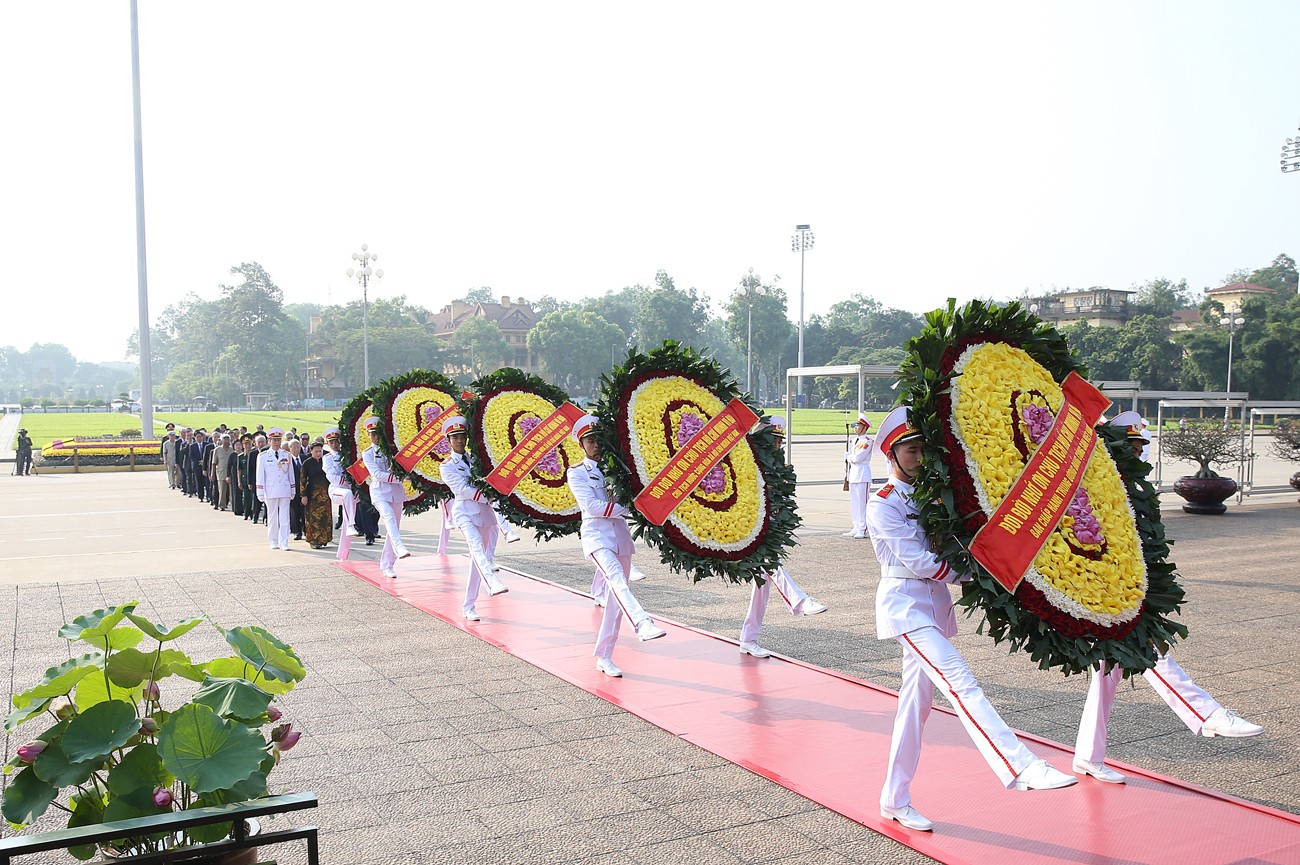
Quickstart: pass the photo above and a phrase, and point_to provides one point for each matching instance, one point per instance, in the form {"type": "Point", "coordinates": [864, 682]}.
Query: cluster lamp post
{"type": "Point", "coordinates": [362, 273]}
{"type": "Point", "coordinates": [1291, 155]}
{"type": "Point", "coordinates": [754, 289]}
{"type": "Point", "coordinates": [1231, 321]}
{"type": "Point", "coordinates": [801, 242]}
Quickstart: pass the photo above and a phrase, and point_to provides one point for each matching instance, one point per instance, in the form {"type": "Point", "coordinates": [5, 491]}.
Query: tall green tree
{"type": "Point", "coordinates": [575, 348]}
{"type": "Point", "coordinates": [478, 346]}
{"type": "Point", "coordinates": [771, 331]}
{"type": "Point", "coordinates": [667, 312]}
{"type": "Point", "coordinates": [252, 316]}
{"type": "Point", "coordinates": [618, 307]}
{"type": "Point", "coordinates": [1160, 297]}
{"type": "Point", "coordinates": [399, 339]}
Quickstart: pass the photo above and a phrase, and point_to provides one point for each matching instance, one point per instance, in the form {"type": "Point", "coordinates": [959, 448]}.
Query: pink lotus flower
{"type": "Point", "coordinates": [290, 739]}
{"type": "Point", "coordinates": [162, 797]}
{"type": "Point", "coordinates": [148, 727]}
{"type": "Point", "coordinates": [151, 691]}
{"type": "Point", "coordinates": [29, 752]}
{"type": "Point", "coordinates": [273, 714]}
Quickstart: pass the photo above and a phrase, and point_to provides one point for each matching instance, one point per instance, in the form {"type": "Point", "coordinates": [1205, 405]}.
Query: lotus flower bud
{"type": "Point", "coordinates": [63, 709]}
{"type": "Point", "coordinates": [277, 733]}
{"type": "Point", "coordinates": [151, 691]}
{"type": "Point", "coordinates": [162, 797]}
{"type": "Point", "coordinates": [290, 739]}
{"type": "Point", "coordinates": [29, 752]}
{"type": "Point", "coordinates": [148, 727]}
{"type": "Point", "coordinates": [273, 714]}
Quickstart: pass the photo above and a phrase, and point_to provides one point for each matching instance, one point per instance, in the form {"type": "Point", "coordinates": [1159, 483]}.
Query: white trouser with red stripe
{"type": "Point", "coordinates": [929, 660]}
{"type": "Point", "coordinates": [786, 587]}
{"type": "Point", "coordinates": [1189, 701]}
{"type": "Point", "coordinates": [342, 496]}
{"type": "Point", "coordinates": [447, 522]}
{"type": "Point", "coordinates": [482, 543]}
{"type": "Point", "coordinates": [858, 506]}
{"type": "Point", "coordinates": [619, 600]}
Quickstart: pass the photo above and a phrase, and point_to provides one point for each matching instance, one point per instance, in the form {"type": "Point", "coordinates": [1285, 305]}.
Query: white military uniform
{"type": "Point", "coordinates": [914, 607]}
{"type": "Point", "coordinates": [477, 522]}
{"type": "Point", "coordinates": [388, 495]}
{"type": "Point", "coordinates": [341, 495]}
{"type": "Point", "coordinates": [858, 459]}
{"type": "Point", "coordinates": [275, 487]}
{"type": "Point", "coordinates": [607, 542]}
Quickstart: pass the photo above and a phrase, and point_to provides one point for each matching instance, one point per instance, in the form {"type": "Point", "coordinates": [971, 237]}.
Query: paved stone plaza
{"type": "Point", "coordinates": [427, 745]}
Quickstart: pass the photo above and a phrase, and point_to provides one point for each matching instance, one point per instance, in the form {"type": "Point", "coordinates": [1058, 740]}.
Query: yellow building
{"type": "Point", "coordinates": [1235, 295]}
{"type": "Point", "coordinates": [514, 319]}
{"type": "Point", "coordinates": [1100, 307]}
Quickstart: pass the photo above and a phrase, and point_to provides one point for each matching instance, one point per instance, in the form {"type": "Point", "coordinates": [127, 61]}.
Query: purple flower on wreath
{"type": "Point", "coordinates": [690, 424]}
{"type": "Point", "coordinates": [549, 463]}
{"type": "Point", "coordinates": [1086, 527]}
{"type": "Point", "coordinates": [1038, 420]}
{"type": "Point", "coordinates": [431, 413]}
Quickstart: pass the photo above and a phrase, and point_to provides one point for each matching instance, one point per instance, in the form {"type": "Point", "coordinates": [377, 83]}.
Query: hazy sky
{"type": "Point", "coordinates": [968, 149]}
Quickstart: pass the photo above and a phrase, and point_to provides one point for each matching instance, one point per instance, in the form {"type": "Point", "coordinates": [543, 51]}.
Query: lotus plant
{"type": "Point", "coordinates": [114, 752]}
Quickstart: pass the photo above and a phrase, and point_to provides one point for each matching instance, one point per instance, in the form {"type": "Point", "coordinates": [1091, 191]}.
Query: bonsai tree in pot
{"type": "Point", "coordinates": [1286, 445]}
{"type": "Point", "coordinates": [1206, 443]}
{"type": "Point", "coordinates": [114, 752]}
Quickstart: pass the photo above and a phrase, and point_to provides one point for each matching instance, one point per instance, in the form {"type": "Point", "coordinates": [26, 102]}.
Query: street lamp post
{"type": "Point", "coordinates": [753, 288]}
{"type": "Point", "coordinates": [1231, 321]}
{"type": "Point", "coordinates": [801, 243]}
{"type": "Point", "coordinates": [363, 273]}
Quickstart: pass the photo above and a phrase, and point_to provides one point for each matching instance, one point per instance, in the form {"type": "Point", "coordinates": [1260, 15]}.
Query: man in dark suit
{"type": "Point", "coordinates": [198, 452]}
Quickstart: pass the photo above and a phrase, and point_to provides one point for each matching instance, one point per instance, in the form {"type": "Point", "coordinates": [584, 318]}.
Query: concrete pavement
{"type": "Point", "coordinates": [427, 745]}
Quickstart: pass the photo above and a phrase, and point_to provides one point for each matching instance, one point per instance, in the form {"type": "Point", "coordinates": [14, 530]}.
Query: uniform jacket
{"type": "Point", "coordinates": [859, 460]}
{"type": "Point", "coordinates": [333, 465]}
{"type": "Point", "coordinates": [603, 523]}
{"type": "Point", "coordinates": [275, 475]}
{"type": "Point", "coordinates": [383, 483]}
{"type": "Point", "coordinates": [920, 599]}
{"type": "Point", "coordinates": [470, 501]}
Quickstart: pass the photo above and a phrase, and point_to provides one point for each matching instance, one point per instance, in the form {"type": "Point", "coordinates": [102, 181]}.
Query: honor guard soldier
{"type": "Point", "coordinates": [275, 488]}
{"type": "Point", "coordinates": [795, 598]}
{"type": "Point", "coordinates": [1193, 705]}
{"type": "Point", "coordinates": [387, 494]}
{"type": "Point", "coordinates": [913, 606]}
{"type": "Point", "coordinates": [857, 473]}
{"type": "Point", "coordinates": [473, 516]}
{"type": "Point", "coordinates": [607, 541]}
{"type": "Point", "coordinates": [341, 494]}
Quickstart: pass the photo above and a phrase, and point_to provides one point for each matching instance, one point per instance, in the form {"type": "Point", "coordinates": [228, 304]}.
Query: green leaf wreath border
{"type": "Point", "coordinates": [511, 506]}
{"type": "Point", "coordinates": [925, 380]}
{"type": "Point", "coordinates": [383, 395]}
{"type": "Point", "coordinates": [775, 540]}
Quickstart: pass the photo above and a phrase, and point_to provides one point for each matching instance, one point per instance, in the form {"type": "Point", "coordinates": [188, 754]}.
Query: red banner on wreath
{"type": "Point", "coordinates": [359, 472]}
{"type": "Point", "coordinates": [1008, 544]}
{"type": "Point", "coordinates": [424, 441]}
{"type": "Point", "coordinates": [524, 457]}
{"type": "Point", "coordinates": [694, 460]}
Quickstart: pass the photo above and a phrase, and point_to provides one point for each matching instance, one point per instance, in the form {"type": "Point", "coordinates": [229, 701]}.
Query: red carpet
{"type": "Point", "coordinates": [826, 737]}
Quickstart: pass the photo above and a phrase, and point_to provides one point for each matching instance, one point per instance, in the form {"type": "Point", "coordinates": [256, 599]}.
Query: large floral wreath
{"type": "Point", "coordinates": [501, 409]}
{"type": "Point", "coordinates": [407, 403]}
{"type": "Point", "coordinates": [983, 383]}
{"type": "Point", "coordinates": [353, 439]}
{"type": "Point", "coordinates": [741, 519]}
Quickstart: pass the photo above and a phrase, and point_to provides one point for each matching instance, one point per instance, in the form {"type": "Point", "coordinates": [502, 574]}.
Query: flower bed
{"type": "Point", "coordinates": [741, 518]}
{"type": "Point", "coordinates": [984, 388]}
{"type": "Point", "coordinates": [105, 452]}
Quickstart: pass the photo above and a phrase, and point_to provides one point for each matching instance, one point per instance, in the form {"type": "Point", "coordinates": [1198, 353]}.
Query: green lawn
{"type": "Point", "coordinates": [45, 428]}
{"type": "Point", "coordinates": [818, 421]}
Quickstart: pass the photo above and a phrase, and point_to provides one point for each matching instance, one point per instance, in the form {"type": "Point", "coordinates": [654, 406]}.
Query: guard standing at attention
{"type": "Point", "coordinates": [857, 463]}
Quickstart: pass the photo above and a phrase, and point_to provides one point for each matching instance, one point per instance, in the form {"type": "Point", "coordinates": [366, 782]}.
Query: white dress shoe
{"type": "Point", "coordinates": [1098, 771]}
{"type": "Point", "coordinates": [908, 816]}
{"type": "Point", "coordinates": [512, 536]}
{"type": "Point", "coordinates": [810, 607]}
{"type": "Point", "coordinates": [496, 587]}
{"type": "Point", "coordinates": [636, 575]}
{"type": "Point", "coordinates": [1225, 722]}
{"type": "Point", "coordinates": [390, 573]}
{"type": "Point", "coordinates": [472, 615]}
{"type": "Point", "coordinates": [1039, 775]}
{"type": "Point", "coordinates": [403, 553]}
{"type": "Point", "coordinates": [850, 534]}
{"type": "Point", "coordinates": [754, 649]}
{"type": "Point", "coordinates": [600, 602]}
{"type": "Point", "coordinates": [648, 630]}
{"type": "Point", "coordinates": [606, 666]}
